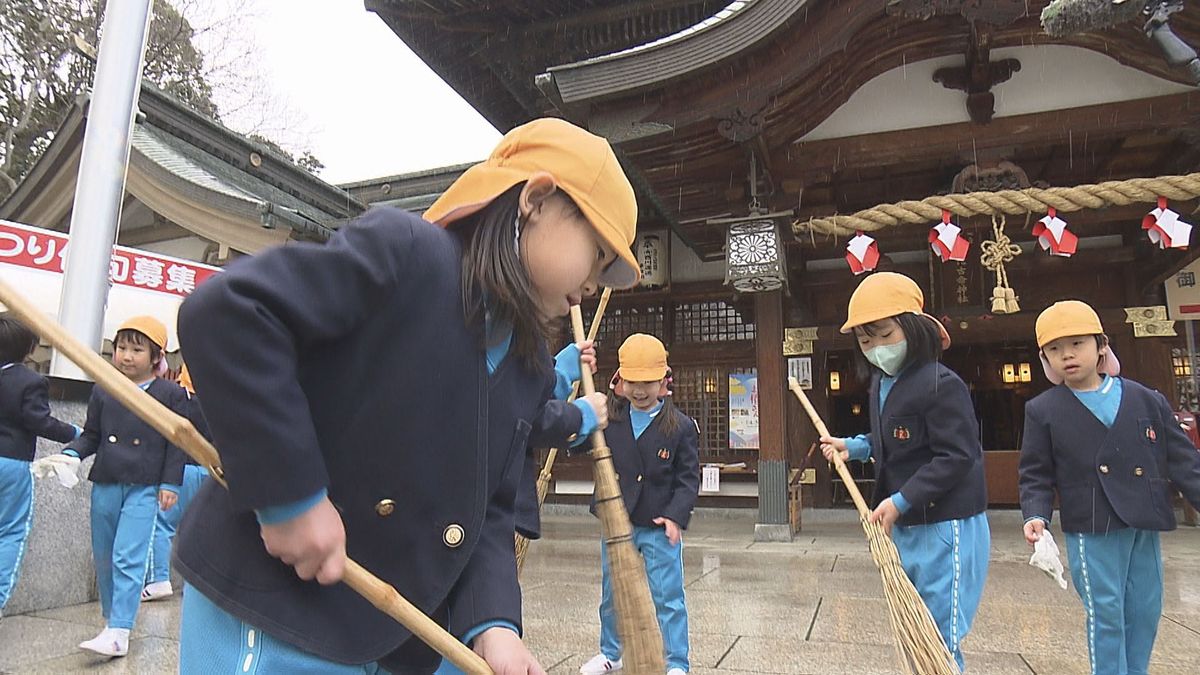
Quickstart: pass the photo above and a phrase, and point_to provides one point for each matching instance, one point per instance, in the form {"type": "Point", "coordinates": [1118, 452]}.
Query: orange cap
{"type": "Point", "coordinates": [148, 326]}
{"type": "Point", "coordinates": [643, 359]}
{"type": "Point", "coordinates": [185, 379]}
{"type": "Point", "coordinates": [887, 294]}
{"type": "Point", "coordinates": [1064, 319]}
{"type": "Point", "coordinates": [583, 166]}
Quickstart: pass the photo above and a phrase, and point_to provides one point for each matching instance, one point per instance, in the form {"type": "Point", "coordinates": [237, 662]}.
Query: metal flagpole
{"type": "Point", "coordinates": [101, 184]}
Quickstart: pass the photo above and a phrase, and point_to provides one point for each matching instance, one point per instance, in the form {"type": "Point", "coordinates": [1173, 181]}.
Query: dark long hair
{"type": "Point", "coordinates": [920, 333]}
{"type": "Point", "coordinates": [495, 280]}
{"type": "Point", "coordinates": [16, 340]}
{"type": "Point", "coordinates": [668, 421]}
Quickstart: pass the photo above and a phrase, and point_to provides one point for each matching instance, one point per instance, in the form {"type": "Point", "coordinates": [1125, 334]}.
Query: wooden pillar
{"type": "Point", "coordinates": [773, 524]}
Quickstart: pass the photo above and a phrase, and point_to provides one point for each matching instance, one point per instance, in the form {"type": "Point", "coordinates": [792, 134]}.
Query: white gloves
{"type": "Point", "coordinates": [64, 467]}
{"type": "Point", "coordinates": [1045, 558]}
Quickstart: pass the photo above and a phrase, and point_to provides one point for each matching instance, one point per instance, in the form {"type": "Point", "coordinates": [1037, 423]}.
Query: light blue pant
{"type": "Point", "coordinates": [1119, 578]}
{"type": "Point", "coordinates": [16, 517]}
{"type": "Point", "coordinates": [212, 640]}
{"type": "Point", "coordinates": [664, 571]}
{"type": "Point", "coordinates": [122, 536]}
{"type": "Point", "coordinates": [166, 522]}
{"type": "Point", "coordinates": [948, 563]}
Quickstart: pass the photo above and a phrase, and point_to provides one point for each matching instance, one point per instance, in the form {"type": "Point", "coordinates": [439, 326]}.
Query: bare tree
{"type": "Point", "coordinates": [198, 61]}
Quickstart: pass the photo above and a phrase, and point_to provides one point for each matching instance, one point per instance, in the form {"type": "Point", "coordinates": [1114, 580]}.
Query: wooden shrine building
{"type": "Point", "coordinates": [741, 123]}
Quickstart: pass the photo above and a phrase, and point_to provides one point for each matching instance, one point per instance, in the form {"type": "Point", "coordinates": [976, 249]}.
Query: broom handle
{"type": "Point", "coordinates": [591, 336]}
{"type": "Point", "coordinates": [843, 472]}
{"type": "Point", "coordinates": [182, 434]}
{"type": "Point", "coordinates": [636, 620]}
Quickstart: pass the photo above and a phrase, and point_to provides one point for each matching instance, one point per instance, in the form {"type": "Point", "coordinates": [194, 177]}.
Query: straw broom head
{"type": "Point", "coordinates": [637, 622]}
{"type": "Point", "coordinates": [543, 486]}
{"type": "Point", "coordinates": [920, 648]}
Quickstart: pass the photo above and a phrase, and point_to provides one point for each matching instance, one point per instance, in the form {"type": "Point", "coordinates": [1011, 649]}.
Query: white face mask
{"type": "Point", "coordinates": [888, 358]}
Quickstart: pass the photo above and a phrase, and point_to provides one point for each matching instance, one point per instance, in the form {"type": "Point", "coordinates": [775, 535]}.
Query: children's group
{"type": "Point", "coordinates": [377, 397]}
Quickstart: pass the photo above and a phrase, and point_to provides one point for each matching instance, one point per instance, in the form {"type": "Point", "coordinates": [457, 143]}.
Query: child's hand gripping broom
{"type": "Point", "coordinates": [180, 432]}
{"type": "Point", "coordinates": [637, 623]}
{"type": "Point", "coordinates": [919, 646]}
{"type": "Point", "coordinates": [543, 479]}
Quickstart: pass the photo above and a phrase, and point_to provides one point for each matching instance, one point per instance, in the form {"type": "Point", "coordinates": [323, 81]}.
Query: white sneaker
{"type": "Point", "coordinates": [598, 665]}
{"type": "Point", "coordinates": [676, 671]}
{"type": "Point", "coordinates": [157, 591]}
{"type": "Point", "coordinates": [110, 642]}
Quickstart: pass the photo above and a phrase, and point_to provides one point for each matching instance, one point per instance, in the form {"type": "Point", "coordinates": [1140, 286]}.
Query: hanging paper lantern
{"type": "Point", "coordinates": [650, 249]}
{"type": "Point", "coordinates": [1053, 236]}
{"type": "Point", "coordinates": [862, 254]}
{"type": "Point", "coordinates": [1164, 227]}
{"type": "Point", "coordinates": [947, 241]}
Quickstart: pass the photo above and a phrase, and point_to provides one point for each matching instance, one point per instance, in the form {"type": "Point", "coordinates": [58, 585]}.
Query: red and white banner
{"type": "Point", "coordinates": [33, 259]}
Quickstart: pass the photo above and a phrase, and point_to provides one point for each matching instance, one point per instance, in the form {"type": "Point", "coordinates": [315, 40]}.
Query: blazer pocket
{"type": "Point", "coordinates": [905, 429]}
{"type": "Point", "coordinates": [1149, 429]}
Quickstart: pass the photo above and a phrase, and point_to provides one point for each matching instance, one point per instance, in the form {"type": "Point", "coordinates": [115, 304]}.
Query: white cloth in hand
{"type": "Point", "coordinates": [64, 467]}
{"type": "Point", "coordinates": [1045, 558]}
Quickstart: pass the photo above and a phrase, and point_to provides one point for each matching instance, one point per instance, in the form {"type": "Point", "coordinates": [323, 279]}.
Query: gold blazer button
{"type": "Point", "coordinates": [385, 507]}
{"type": "Point", "coordinates": [453, 536]}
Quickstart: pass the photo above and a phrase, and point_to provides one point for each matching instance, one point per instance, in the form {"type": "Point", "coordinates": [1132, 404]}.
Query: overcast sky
{"type": "Point", "coordinates": [363, 103]}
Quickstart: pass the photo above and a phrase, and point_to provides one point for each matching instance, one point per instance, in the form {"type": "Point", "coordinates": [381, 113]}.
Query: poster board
{"type": "Point", "coordinates": [743, 411]}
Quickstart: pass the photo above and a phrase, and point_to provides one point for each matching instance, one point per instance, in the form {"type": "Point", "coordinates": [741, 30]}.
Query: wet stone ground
{"type": "Point", "coordinates": [814, 605]}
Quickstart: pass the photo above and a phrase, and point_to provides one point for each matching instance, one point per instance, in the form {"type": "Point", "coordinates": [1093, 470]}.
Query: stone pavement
{"type": "Point", "coordinates": [812, 606]}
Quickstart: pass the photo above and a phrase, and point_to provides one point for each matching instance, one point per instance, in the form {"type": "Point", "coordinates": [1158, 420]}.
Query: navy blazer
{"type": "Point", "coordinates": [127, 449]}
{"type": "Point", "coordinates": [349, 366]}
{"type": "Point", "coordinates": [25, 414]}
{"type": "Point", "coordinates": [659, 474]}
{"type": "Point", "coordinates": [1107, 478]}
{"type": "Point", "coordinates": [925, 443]}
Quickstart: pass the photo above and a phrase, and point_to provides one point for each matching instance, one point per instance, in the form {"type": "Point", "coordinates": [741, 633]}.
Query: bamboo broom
{"type": "Point", "coordinates": [920, 648]}
{"type": "Point", "coordinates": [543, 479]}
{"type": "Point", "coordinates": [637, 623]}
{"type": "Point", "coordinates": [181, 433]}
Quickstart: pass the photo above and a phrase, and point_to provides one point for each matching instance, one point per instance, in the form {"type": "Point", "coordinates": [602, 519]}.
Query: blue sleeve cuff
{"type": "Point", "coordinates": [487, 625]}
{"type": "Point", "coordinates": [78, 431]}
{"type": "Point", "coordinates": [273, 515]}
{"type": "Point", "coordinates": [900, 502]}
{"type": "Point", "coordinates": [566, 371]}
{"type": "Point", "coordinates": [588, 423]}
{"type": "Point", "coordinates": [71, 452]}
{"type": "Point", "coordinates": [859, 448]}
{"type": "Point", "coordinates": [168, 487]}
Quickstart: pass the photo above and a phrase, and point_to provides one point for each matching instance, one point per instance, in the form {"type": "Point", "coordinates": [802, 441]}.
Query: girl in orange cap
{"type": "Point", "coordinates": [137, 472]}
{"type": "Point", "coordinates": [1108, 446]}
{"type": "Point", "coordinates": [930, 492]}
{"type": "Point", "coordinates": [655, 449]}
{"type": "Point", "coordinates": [375, 396]}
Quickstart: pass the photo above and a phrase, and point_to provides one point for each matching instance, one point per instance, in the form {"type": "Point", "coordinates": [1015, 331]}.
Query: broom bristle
{"type": "Point", "coordinates": [1068, 17]}
{"type": "Point", "coordinates": [920, 648]}
{"type": "Point", "coordinates": [522, 543]}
